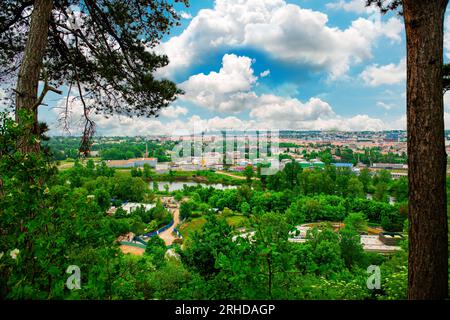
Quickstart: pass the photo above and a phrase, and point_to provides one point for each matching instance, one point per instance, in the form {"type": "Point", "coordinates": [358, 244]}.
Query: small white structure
{"type": "Point", "coordinates": [372, 243]}
{"type": "Point", "coordinates": [172, 254]}
{"type": "Point", "coordinates": [299, 235]}
{"type": "Point", "coordinates": [129, 207]}
{"type": "Point", "coordinates": [245, 235]}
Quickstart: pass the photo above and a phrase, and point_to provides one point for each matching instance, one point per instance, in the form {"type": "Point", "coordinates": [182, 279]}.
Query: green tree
{"type": "Point", "coordinates": [206, 246]}
{"type": "Point", "coordinates": [129, 155]}
{"type": "Point", "coordinates": [400, 189]}
{"type": "Point", "coordinates": [147, 172]}
{"type": "Point", "coordinates": [355, 188]}
{"type": "Point", "coordinates": [356, 221]}
{"type": "Point", "coordinates": [41, 232]}
{"type": "Point", "coordinates": [90, 167]}
{"type": "Point", "coordinates": [271, 242]}
{"type": "Point", "coordinates": [103, 198]}
{"type": "Point", "coordinates": [186, 208]}
{"type": "Point", "coordinates": [365, 178]}
{"type": "Point", "coordinates": [249, 173]}
{"type": "Point", "coordinates": [245, 208]}
{"type": "Point", "coordinates": [94, 46]}
{"type": "Point", "coordinates": [384, 176]}
{"type": "Point", "coordinates": [156, 250]}
{"type": "Point", "coordinates": [381, 192]}
{"type": "Point", "coordinates": [326, 251]}
{"type": "Point", "coordinates": [291, 171]}
{"type": "Point", "coordinates": [352, 251]}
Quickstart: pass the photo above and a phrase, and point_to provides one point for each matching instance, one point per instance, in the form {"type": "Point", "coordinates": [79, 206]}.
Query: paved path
{"type": "Point", "coordinates": [232, 175]}
{"type": "Point", "coordinates": [167, 235]}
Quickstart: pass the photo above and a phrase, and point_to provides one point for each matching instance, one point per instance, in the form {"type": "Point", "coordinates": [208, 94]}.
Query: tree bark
{"type": "Point", "coordinates": [427, 159]}
{"type": "Point", "coordinates": [28, 80]}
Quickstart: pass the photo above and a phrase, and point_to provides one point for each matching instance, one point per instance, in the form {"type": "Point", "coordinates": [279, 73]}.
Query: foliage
{"type": "Point", "coordinates": [156, 249]}
{"type": "Point", "coordinates": [40, 224]}
{"type": "Point", "coordinates": [206, 245]}
{"type": "Point", "coordinates": [56, 219]}
{"type": "Point", "coordinates": [102, 46]}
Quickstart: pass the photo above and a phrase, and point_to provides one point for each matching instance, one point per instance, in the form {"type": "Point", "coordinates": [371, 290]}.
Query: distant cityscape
{"type": "Point", "coordinates": [311, 149]}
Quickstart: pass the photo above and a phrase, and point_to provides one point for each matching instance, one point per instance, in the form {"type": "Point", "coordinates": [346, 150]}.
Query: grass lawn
{"type": "Point", "coordinates": [237, 221]}
{"type": "Point", "coordinates": [188, 228]}
{"type": "Point", "coordinates": [123, 173]}
{"type": "Point", "coordinates": [236, 173]}
{"type": "Point", "coordinates": [68, 163]}
{"type": "Point", "coordinates": [196, 224]}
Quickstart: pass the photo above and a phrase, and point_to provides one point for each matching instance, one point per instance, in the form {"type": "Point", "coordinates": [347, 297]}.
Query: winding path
{"type": "Point", "coordinates": [167, 235]}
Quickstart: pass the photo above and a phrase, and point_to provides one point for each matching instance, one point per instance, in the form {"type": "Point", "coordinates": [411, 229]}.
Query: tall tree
{"type": "Point", "coordinates": [103, 49]}
{"type": "Point", "coordinates": [28, 79]}
{"type": "Point", "coordinates": [427, 160]}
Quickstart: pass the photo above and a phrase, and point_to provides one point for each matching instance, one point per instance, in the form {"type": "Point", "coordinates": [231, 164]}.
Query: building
{"type": "Point", "coordinates": [389, 166]}
{"type": "Point", "coordinates": [152, 162]}
{"type": "Point", "coordinates": [132, 163]}
{"type": "Point", "coordinates": [310, 164]}
{"type": "Point", "coordinates": [391, 137]}
{"type": "Point", "coordinates": [343, 165]}
{"type": "Point", "coordinates": [397, 175]}
{"type": "Point", "coordinates": [397, 170]}
{"type": "Point", "coordinates": [129, 207]}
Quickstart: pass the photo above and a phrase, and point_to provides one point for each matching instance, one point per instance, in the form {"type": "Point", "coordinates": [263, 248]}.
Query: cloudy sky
{"type": "Point", "coordinates": [277, 64]}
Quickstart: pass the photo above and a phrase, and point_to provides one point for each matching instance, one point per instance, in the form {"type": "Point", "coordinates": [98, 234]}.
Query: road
{"type": "Point", "coordinates": [168, 235]}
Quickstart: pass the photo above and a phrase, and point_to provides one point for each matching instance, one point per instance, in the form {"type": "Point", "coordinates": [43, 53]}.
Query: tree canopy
{"type": "Point", "coordinates": [104, 49]}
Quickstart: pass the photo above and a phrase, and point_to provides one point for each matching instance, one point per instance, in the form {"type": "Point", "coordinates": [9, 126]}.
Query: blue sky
{"type": "Point", "coordinates": [276, 64]}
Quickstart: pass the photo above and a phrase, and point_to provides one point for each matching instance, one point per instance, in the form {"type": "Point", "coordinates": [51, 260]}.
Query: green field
{"type": "Point", "coordinates": [237, 221]}
{"type": "Point", "coordinates": [188, 228]}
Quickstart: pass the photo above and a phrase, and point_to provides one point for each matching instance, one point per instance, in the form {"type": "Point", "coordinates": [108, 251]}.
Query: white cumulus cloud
{"type": "Point", "coordinates": [173, 112]}
{"type": "Point", "coordinates": [384, 105]}
{"type": "Point", "coordinates": [231, 91]}
{"type": "Point", "coordinates": [185, 15]}
{"type": "Point", "coordinates": [447, 37]}
{"type": "Point", "coordinates": [270, 107]}
{"type": "Point", "coordinates": [290, 114]}
{"type": "Point", "coordinates": [355, 6]}
{"type": "Point", "coordinates": [264, 73]}
{"type": "Point", "coordinates": [388, 74]}
{"type": "Point", "coordinates": [226, 90]}
{"type": "Point", "coordinates": [285, 31]}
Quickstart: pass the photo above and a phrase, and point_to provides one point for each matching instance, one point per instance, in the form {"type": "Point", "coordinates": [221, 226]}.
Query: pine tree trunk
{"type": "Point", "coordinates": [428, 253]}
{"type": "Point", "coordinates": [28, 80]}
